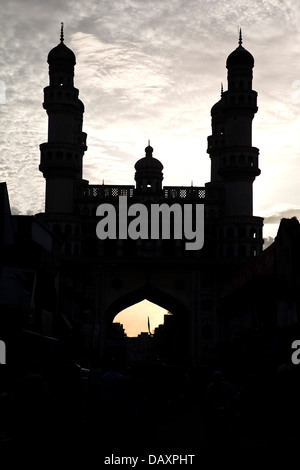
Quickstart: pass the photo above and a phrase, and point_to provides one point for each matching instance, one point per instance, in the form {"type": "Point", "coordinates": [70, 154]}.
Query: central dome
{"type": "Point", "coordinates": [148, 161]}
{"type": "Point", "coordinates": [148, 174]}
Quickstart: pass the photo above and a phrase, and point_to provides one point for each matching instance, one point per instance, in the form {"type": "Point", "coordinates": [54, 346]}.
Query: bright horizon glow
{"type": "Point", "coordinates": [135, 318]}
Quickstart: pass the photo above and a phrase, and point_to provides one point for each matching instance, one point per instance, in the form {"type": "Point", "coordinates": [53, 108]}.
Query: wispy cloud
{"type": "Point", "coordinates": [277, 216]}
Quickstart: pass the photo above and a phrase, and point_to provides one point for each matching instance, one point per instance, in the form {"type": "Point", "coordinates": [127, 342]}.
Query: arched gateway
{"type": "Point", "coordinates": [179, 349]}
{"type": "Point", "coordinates": [108, 261]}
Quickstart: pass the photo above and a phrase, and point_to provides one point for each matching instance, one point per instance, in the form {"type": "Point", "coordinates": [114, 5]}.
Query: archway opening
{"type": "Point", "coordinates": [147, 332]}
{"type": "Point", "coordinates": [148, 320]}
{"type": "Point", "coordinates": [142, 317]}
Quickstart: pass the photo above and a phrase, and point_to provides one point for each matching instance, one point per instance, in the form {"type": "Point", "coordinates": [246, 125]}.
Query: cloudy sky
{"type": "Point", "coordinates": [151, 69]}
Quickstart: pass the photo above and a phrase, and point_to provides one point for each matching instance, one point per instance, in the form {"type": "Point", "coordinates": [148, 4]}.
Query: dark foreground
{"type": "Point", "coordinates": [146, 409]}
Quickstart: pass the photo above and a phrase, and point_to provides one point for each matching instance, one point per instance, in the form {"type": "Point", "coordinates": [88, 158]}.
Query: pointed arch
{"type": "Point", "coordinates": [180, 351]}
{"type": "Point", "coordinates": [154, 295]}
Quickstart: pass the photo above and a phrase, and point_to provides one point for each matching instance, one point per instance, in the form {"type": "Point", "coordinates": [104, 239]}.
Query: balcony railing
{"type": "Point", "coordinates": [104, 191]}
{"type": "Point", "coordinates": [184, 192]}
{"type": "Point", "coordinates": [99, 192]}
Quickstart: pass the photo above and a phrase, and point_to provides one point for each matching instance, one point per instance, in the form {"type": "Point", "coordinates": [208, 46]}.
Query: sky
{"type": "Point", "coordinates": [151, 69]}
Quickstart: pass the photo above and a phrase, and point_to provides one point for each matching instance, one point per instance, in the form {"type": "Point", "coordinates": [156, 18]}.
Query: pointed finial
{"type": "Point", "coordinates": [221, 89]}
{"type": "Point", "coordinates": [62, 32]}
{"type": "Point", "coordinates": [148, 142]}
{"type": "Point", "coordinates": [240, 37]}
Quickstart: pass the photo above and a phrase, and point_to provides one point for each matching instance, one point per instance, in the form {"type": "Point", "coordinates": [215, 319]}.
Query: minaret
{"type": "Point", "coordinates": [234, 161]}
{"type": "Point", "coordinates": [61, 156]}
{"type": "Point", "coordinates": [239, 166]}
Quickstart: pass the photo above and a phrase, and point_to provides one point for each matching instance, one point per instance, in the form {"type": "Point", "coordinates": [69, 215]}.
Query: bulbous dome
{"type": "Point", "coordinates": [240, 56]}
{"type": "Point", "coordinates": [217, 107]}
{"type": "Point", "coordinates": [61, 53]}
{"type": "Point", "coordinates": [148, 162]}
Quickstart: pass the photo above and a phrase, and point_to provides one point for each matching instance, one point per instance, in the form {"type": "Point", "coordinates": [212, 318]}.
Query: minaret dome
{"type": "Point", "coordinates": [240, 56]}
{"type": "Point", "coordinates": [61, 53]}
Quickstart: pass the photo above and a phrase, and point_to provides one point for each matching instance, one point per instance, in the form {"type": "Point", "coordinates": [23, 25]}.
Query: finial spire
{"type": "Point", "coordinates": [61, 32]}
{"type": "Point", "coordinates": [221, 89]}
{"type": "Point", "coordinates": [148, 142]}
{"type": "Point", "coordinates": [240, 37]}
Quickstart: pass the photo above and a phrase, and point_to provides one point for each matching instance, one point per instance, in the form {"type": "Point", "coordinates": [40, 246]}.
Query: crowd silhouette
{"type": "Point", "coordinates": [148, 407]}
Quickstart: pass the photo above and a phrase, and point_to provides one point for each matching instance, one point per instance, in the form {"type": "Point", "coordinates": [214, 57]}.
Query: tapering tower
{"type": "Point", "coordinates": [234, 161]}
{"type": "Point", "coordinates": [61, 156]}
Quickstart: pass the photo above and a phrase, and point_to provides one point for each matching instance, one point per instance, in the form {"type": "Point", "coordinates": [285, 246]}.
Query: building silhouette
{"type": "Point", "coordinates": [96, 279]}
{"type": "Point", "coordinates": [222, 358]}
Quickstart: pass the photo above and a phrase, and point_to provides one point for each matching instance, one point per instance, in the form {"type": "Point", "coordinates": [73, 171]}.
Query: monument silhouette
{"type": "Point", "coordinates": [223, 358]}
{"type": "Point", "coordinates": [106, 276]}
